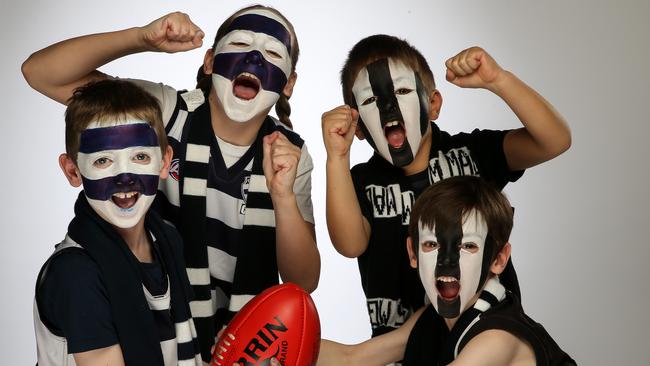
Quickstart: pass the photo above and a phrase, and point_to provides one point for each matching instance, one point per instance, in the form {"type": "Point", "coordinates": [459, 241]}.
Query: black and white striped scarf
{"type": "Point", "coordinates": [256, 268]}
{"type": "Point", "coordinates": [134, 322]}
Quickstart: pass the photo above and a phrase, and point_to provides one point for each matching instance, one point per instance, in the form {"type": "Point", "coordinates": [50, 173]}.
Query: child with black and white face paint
{"type": "Point", "coordinates": [240, 187]}
{"type": "Point", "coordinates": [458, 242]}
{"type": "Point", "coordinates": [392, 101]}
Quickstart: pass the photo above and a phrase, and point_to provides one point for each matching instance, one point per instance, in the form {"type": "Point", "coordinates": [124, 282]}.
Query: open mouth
{"type": "Point", "coordinates": [246, 86]}
{"type": "Point", "coordinates": [125, 200]}
{"type": "Point", "coordinates": [448, 287]}
{"type": "Point", "coordinates": [395, 134]}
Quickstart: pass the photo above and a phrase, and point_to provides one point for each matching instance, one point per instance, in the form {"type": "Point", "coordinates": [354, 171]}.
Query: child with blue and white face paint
{"type": "Point", "coordinates": [115, 291]}
{"type": "Point", "coordinates": [240, 187]}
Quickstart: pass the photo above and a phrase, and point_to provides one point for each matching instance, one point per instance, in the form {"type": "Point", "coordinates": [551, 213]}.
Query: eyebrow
{"type": "Point", "coordinates": [261, 24]}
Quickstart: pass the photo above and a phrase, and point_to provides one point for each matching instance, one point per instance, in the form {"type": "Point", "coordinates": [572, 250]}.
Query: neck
{"type": "Point", "coordinates": [421, 160]}
{"type": "Point", "coordinates": [137, 240]}
{"type": "Point", "coordinates": [236, 133]}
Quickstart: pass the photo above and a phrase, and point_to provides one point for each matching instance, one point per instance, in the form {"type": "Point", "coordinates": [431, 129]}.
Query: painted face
{"type": "Point", "coordinates": [454, 263]}
{"type": "Point", "coordinates": [393, 109]}
{"type": "Point", "coordinates": [252, 64]}
{"type": "Point", "coordinates": [120, 166]}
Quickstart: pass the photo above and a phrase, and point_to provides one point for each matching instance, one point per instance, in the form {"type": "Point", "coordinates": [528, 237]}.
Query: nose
{"type": "Point", "coordinates": [390, 106]}
{"type": "Point", "coordinates": [254, 57]}
{"type": "Point", "coordinates": [125, 179]}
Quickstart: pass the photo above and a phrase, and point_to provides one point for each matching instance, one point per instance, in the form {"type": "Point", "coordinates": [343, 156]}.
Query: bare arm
{"type": "Point", "coordinates": [348, 229]}
{"type": "Point", "coordinates": [57, 70]}
{"type": "Point", "coordinates": [495, 348]}
{"type": "Point", "coordinates": [545, 134]}
{"type": "Point", "coordinates": [297, 254]}
{"type": "Point", "coordinates": [381, 350]}
{"type": "Point", "coordinates": [101, 357]}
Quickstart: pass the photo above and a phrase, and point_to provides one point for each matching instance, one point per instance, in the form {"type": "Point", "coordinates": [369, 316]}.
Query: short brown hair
{"type": "Point", "coordinates": [448, 201]}
{"type": "Point", "coordinates": [109, 100]}
{"type": "Point", "coordinates": [380, 46]}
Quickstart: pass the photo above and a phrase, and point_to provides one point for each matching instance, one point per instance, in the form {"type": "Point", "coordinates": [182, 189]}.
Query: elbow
{"type": "Point", "coordinates": [562, 143]}
{"type": "Point", "coordinates": [27, 69]}
{"type": "Point", "coordinates": [348, 252]}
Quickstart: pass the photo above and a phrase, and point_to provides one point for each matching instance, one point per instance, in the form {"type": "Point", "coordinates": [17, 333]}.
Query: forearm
{"type": "Point", "coordinates": [545, 134]}
{"type": "Point", "coordinates": [99, 357]}
{"type": "Point", "coordinates": [348, 229]}
{"type": "Point", "coordinates": [297, 255]}
{"type": "Point", "coordinates": [60, 68]}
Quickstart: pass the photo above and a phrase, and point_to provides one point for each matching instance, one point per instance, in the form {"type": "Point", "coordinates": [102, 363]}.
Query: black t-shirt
{"type": "Point", "coordinates": [75, 304]}
{"type": "Point", "coordinates": [386, 196]}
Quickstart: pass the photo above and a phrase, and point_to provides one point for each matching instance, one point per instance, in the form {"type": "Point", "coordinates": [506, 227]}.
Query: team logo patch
{"type": "Point", "coordinates": [173, 169]}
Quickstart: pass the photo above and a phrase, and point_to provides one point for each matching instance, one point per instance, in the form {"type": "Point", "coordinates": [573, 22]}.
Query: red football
{"type": "Point", "coordinates": [280, 322]}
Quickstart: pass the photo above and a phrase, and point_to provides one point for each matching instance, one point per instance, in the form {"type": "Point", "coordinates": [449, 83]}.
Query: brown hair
{"type": "Point", "coordinates": [282, 107]}
{"type": "Point", "coordinates": [109, 100]}
{"type": "Point", "coordinates": [448, 201]}
{"type": "Point", "coordinates": [380, 46]}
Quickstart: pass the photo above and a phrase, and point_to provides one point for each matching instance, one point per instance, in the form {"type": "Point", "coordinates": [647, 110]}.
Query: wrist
{"type": "Point", "coordinates": [338, 161]}
{"type": "Point", "coordinates": [502, 82]}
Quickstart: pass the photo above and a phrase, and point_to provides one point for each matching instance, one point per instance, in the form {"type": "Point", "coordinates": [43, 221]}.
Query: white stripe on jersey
{"type": "Point", "coordinates": [259, 217]}
{"type": "Point", "coordinates": [222, 264]}
{"type": "Point", "coordinates": [202, 308]}
{"type": "Point", "coordinates": [227, 211]}
{"type": "Point", "coordinates": [176, 131]}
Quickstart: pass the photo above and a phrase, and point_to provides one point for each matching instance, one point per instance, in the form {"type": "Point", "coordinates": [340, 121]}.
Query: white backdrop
{"type": "Point", "coordinates": [580, 240]}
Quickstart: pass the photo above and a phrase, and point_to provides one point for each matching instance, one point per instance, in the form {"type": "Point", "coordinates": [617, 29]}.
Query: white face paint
{"type": "Point", "coordinates": [120, 165]}
{"type": "Point", "coordinates": [393, 107]}
{"type": "Point", "coordinates": [252, 64]}
{"type": "Point", "coordinates": [451, 273]}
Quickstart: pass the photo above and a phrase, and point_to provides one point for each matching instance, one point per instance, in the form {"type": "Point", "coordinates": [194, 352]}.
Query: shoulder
{"type": "Point", "coordinates": [495, 347]}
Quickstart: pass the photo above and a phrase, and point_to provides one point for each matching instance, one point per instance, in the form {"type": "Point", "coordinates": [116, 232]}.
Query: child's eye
{"type": "Point", "coordinates": [273, 54]}
{"type": "Point", "coordinates": [429, 245]}
{"type": "Point", "coordinates": [102, 163]}
{"type": "Point", "coordinates": [470, 247]}
{"type": "Point", "coordinates": [142, 158]}
{"type": "Point", "coordinates": [403, 91]}
{"type": "Point", "coordinates": [239, 44]}
{"type": "Point", "coordinates": [369, 100]}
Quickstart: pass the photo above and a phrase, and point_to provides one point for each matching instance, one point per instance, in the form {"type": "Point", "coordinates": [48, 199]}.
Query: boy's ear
{"type": "Point", "coordinates": [70, 170]}
{"type": "Point", "coordinates": [167, 160]}
{"type": "Point", "coordinates": [501, 259]}
{"type": "Point", "coordinates": [435, 103]}
{"type": "Point", "coordinates": [208, 60]}
{"type": "Point", "coordinates": [358, 132]}
{"type": "Point", "coordinates": [288, 88]}
{"type": "Point", "coordinates": [413, 258]}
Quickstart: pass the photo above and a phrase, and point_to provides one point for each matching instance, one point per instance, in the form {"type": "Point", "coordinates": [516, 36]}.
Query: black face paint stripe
{"type": "Point", "coordinates": [383, 88]}
{"type": "Point", "coordinates": [262, 24]}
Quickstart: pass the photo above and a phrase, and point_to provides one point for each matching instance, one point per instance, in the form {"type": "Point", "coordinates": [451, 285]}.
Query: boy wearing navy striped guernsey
{"type": "Point", "coordinates": [115, 291]}
{"type": "Point", "coordinates": [459, 232]}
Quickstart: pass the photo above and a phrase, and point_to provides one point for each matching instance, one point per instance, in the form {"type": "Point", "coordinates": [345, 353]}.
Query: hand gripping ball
{"type": "Point", "coordinates": [280, 322]}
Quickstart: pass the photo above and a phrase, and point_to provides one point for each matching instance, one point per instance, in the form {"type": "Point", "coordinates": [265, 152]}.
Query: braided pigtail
{"type": "Point", "coordinates": [203, 81]}
{"type": "Point", "coordinates": [283, 110]}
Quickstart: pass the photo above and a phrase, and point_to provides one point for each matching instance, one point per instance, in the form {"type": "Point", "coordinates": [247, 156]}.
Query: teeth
{"type": "Point", "coordinates": [124, 195]}
{"type": "Point", "coordinates": [249, 75]}
{"type": "Point", "coordinates": [447, 279]}
{"type": "Point", "coordinates": [391, 124]}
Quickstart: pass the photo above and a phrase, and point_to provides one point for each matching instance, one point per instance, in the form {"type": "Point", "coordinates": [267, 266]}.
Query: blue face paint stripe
{"type": "Point", "coordinates": [117, 138]}
{"type": "Point", "coordinates": [103, 189]}
{"type": "Point", "coordinates": [261, 24]}
{"type": "Point", "coordinates": [230, 65]}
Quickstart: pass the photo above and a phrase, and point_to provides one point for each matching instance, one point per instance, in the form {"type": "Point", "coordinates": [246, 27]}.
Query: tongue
{"type": "Point", "coordinates": [448, 290]}
{"type": "Point", "coordinates": [125, 203]}
{"type": "Point", "coordinates": [395, 137]}
{"type": "Point", "coordinates": [245, 92]}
